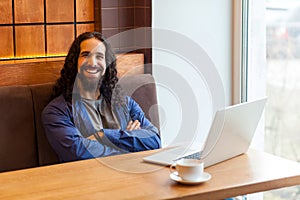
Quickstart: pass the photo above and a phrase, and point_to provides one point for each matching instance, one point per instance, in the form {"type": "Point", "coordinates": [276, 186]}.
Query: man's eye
{"type": "Point", "coordinates": [99, 57]}
{"type": "Point", "coordinates": [84, 55]}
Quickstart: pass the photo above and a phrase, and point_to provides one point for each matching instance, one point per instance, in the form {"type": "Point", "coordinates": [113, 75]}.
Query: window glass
{"type": "Point", "coordinates": [282, 119]}
{"type": "Point", "coordinates": [272, 70]}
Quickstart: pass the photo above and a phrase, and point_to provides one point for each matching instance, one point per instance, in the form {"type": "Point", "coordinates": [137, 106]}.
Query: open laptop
{"type": "Point", "coordinates": [230, 135]}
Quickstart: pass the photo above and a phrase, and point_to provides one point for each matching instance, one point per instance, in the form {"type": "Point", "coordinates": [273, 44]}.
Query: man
{"type": "Point", "coordinates": [84, 118]}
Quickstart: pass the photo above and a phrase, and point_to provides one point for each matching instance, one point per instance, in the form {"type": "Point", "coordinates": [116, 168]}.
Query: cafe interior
{"type": "Point", "coordinates": [35, 38]}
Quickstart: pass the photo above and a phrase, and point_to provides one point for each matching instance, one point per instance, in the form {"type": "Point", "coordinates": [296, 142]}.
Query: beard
{"type": "Point", "coordinates": [90, 84]}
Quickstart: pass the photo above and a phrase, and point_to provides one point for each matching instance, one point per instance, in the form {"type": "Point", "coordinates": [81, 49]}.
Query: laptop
{"type": "Point", "coordinates": [230, 135]}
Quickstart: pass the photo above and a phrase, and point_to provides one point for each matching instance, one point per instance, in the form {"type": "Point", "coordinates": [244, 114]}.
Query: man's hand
{"type": "Point", "coordinates": [133, 125]}
{"type": "Point", "coordinates": [91, 137]}
{"type": "Point", "coordinates": [100, 134]}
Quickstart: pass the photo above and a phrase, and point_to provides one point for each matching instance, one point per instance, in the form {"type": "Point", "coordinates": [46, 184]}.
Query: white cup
{"type": "Point", "coordinates": [188, 169]}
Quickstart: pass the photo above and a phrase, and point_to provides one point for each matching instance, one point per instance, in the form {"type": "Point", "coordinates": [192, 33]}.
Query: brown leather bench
{"type": "Point", "coordinates": [23, 143]}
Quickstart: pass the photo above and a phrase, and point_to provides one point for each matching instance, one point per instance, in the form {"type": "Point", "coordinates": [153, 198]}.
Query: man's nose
{"type": "Point", "coordinates": [92, 61]}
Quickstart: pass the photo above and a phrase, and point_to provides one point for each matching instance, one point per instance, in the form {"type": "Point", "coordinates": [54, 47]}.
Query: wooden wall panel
{"type": "Point", "coordinates": [97, 15]}
{"type": "Point", "coordinates": [140, 3]}
{"type": "Point", "coordinates": [114, 40]}
{"type": "Point", "coordinates": [84, 10]}
{"type": "Point", "coordinates": [29, 11]}
{"type": "Point", "coordinates": [127, 39]}
{"type": "Point", "coordinates": [126, 3]}
{"type": "Point", "coordinates": [29, 73]}
{"type": "Point", "coordinates": [129, 64]}
{"type": "Point", "coordinates": [35, 72]}
{"type": "Point", "coordinates": [110, 32]}
{"type": "Point", "coordinates": [122, 15]}
{"type": "Point", "coordinates": [81, 28]}
{"type": "Point", "coordinates": [30, 41]}
{"type": "Point", "coordinates": [110, 18]}
{"type": "Point", "coordinates": [141, 20]}
{"type": "Point", "coordinates": [60, 10]}
{"type": "Point", "coordinates": [6, 12]}
{"type": "Point", "coordinates": [59, 39]}
{"type": "Point", "coordinates": [109, 3]}
{"type": "Point", "coordinates": [126, 17]}
{"type": "Point", "coordinates": [6, 42]}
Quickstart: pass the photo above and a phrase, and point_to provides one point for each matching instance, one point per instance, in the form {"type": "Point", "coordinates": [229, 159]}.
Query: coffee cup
{"type": "Point", "coordinates": [188, 169]}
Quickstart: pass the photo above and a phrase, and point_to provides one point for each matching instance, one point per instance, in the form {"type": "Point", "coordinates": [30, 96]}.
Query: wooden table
{"type": "Point", "coordinates": [127, 177]}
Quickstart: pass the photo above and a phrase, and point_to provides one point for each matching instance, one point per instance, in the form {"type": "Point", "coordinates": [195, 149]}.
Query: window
{"type": "Point", "coordinates": [272, 69]}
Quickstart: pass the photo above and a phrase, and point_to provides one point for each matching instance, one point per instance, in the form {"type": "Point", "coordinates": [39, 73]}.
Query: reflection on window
{"type": "Point", "coordinates": [282, 136]}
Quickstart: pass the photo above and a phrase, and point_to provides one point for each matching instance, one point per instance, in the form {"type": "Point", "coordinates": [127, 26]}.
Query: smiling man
{"type": "Point", "coordinates": [81, 121]}
{"type": "Point", "coordinates": [91, 65]}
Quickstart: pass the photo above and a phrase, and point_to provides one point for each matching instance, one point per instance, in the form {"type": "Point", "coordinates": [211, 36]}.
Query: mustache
{"type": "Point", "coordinates": [89, 67]}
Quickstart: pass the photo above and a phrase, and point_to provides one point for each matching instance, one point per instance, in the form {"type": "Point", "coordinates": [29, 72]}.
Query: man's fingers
{"type": "Point", "coordinates": [91, 137]}
{"type": "Point", "coordinates": [136, 125]}
{"type": "Point", "coordinates": [133, 125]}
{"type": "Point", "coordinates": [129, 125]}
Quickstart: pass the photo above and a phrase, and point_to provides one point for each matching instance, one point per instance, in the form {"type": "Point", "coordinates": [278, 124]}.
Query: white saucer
{"type": "Point", "coordinates": [205, 177]}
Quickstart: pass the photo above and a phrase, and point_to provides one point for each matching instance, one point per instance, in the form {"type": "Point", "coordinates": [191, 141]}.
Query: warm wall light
{"type": "Point", "coordinates": [33, 57]}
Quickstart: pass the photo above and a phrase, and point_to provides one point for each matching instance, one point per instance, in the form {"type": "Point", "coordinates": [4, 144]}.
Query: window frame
{"type": "Point", "coordinates": [240, 51]}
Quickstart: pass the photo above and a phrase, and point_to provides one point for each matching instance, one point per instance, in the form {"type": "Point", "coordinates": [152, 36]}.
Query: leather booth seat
{"type": "Point", "coordinates": [23, 143]}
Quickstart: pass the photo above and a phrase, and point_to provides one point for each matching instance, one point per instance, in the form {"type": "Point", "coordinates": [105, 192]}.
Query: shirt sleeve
{"type": "Point", "coordinates": [65, 138]}
{"type": "Point", "coordinates": [146, 138]}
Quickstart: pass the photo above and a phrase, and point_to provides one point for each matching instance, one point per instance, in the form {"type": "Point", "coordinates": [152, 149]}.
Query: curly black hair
{"type": "Point", "coordinates": [64, 84]}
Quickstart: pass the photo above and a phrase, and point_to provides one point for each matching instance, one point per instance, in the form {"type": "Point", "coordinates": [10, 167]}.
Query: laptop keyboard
{"type": "Point", "coordinates": [196, 155]}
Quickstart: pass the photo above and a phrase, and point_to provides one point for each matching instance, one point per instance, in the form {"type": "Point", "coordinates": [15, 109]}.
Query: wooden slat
{"type": "Point", "coordinates": [30, 41]}
{"type": "Point", "coordinates": [84, 10]}
{"type": "Point", "coordinates": [6, 42]}
{"type": "Point", "coordinates": [48, 70]}
{"type": "Point", "coordinates": [29, 11]}
{"type": "Point", "coordinates": [60, 10]}
{"type": "Point", "coordinates": [81, 28]}
{"type": "Point", "coordinates": [5, 12]}
{"type": "Point", "coordinates": [59, 39]}
{"type": "Point", "coordinates": [129, 64]}
{"type": "Point", "coordinates": [29, 73]}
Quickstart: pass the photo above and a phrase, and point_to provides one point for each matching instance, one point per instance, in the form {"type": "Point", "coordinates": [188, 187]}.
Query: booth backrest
{"type": "Point", "coordinates": [18, 147]}
{"type": "Point", "coordinates": [41, 96]}
{"type": "Point", "coordinates": [23, 143]}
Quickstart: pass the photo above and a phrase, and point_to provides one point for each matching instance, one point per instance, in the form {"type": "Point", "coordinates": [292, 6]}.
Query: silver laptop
{"type": "Point", "coordinates": [230, 135]}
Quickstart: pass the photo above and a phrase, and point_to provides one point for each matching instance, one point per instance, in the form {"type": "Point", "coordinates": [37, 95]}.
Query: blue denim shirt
{"type": "Point", "coordinates": [67, 134]}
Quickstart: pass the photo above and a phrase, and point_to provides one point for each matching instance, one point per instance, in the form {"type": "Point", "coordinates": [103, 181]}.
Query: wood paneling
{"type": "Point", "coordinates": [29, 23]}
{"type": "Point", "coordinates": [127, 39]}
{"type": "Point", "coordinates": [139, 3]}
{"type": "Point", "coordinates": [81, 28]}
{"type": "Point", "coordinates": [30, 41]}
{"type": "Point", "coordinates": [112, 37]}
{"type": "Point", "coordinates": [29, 11]}
{"type": "Point", "coordinates": [110, 18]}
{"type": "Point", "coordinates": [97, 15]}
{"type": "Point", "coordinates": [109, 3]}
{"type": "Point", "coordinates": [59, 39]}
{"type": "Point", "coordinates": [126, 17]}
{"type": "Point", "coordinates": [60, 10]}
{"type": "Point", "coordinates": [6, 12]}
{"type": "Point", "coordinates": [37, 71]}
{"type": "Point", "coordinates": [129, 64]}
{"type": "Point", "coordinates": [29, 73]}
{"type": "Point", "coordinates": [110, 32]}
{"type": "Point", "coordinates": [84, 10]}
{"type": "Point", "coordinates": [122, 15]}
{"type": "Point", "coordinates": [6, 42]}
{"type": "Point", "coordinates": [141, 20]}
{"type": "Point", "coordinates": [126, 3]}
